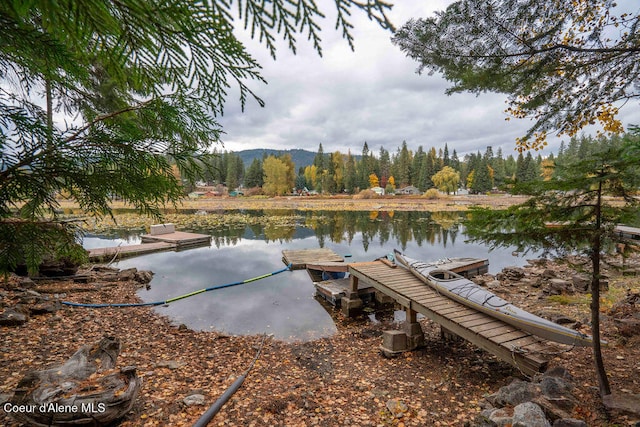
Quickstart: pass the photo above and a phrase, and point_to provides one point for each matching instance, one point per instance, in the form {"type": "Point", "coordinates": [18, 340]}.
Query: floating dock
{"type": "Point", "coordinates": [180, 239]}
{"type": "Point", "coordinates": [631, 233]}
{"type": "Point", "coordinates": [163, 237]}
{"type": "Point", "coordinates": [468, 267]}
{"type": "Point", "coordinates": [301, 257]}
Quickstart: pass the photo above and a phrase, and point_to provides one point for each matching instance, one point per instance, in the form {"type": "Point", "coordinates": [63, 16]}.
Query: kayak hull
{"type": "Point", "coordinates": [468, 293]}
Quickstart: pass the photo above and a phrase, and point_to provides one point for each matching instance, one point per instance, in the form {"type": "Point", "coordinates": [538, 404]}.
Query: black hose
{"type": "Point", "coordinates": [203, 421]}
{"type": "Point", "coordinates": [205, 418]}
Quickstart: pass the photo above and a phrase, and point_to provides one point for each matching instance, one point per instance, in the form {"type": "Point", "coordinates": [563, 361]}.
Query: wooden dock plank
{"type": "Point", "coordinates": [406, 283]}
{"type": "Point", "coordinates": [485, 327]}
{"type": "Point", "coordinates": [505, 341]}
{"type": "Point", "coordinates": [465, 316]}
{"type": "Point", "coordinates": [475, 323]}
{"type": "Point", "coordinates": [454, 310]}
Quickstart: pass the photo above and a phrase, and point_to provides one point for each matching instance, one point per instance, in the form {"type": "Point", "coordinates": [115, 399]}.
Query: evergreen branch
{"type": "Point", "coordinates": [104, 117]}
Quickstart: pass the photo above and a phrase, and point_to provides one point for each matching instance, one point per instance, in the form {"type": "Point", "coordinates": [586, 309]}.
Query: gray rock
{"type": "Point", "coordinates": [555, 387]}
{"type": "Point", "coordinates": [5, 397]}
{"type": "Point", "coordinates": [45, 307]}
{"type": "Point", "coordinates": [569, 422]}
{"type": "Point", "coordinates": [624, 403]}
{"type": "Point", "coordinates": [559, 287]}
{"type": "Point", "coordinates": [194, 399]}
{"type": "Point", "coordinates": [581, 282]}
{"type": "Point", "coordinates": [494, 284]}
{"type": "Point", "coordinates": [143, 277]}
{"type": "Point", "coordinates": [27, 283]}
{"type": "Point", "coordinates": [559, 372]}
{"type": "Point", "coordinates": [515, 393]}
{"type": "Point", "coordinates": [511, 273]}
{"type": "Point", "coordinates": [501, 417]}
{"type": "Point", "coordinates": [128, 274]}
{"type": "Point", "coordinates": [556, 407]}
{"type": "Point", "coordinates": [627, 327]}
{"type": "Point", "coordinates": [169, 364]}
{"type": "Point", "coordinates": [482, 421]}
{"type": "Point", "coordinates": [528, 414]}
{"type": "Point", "coordinates": [11, 317]}
{"type": "Point", "coordinates": [397, 408]}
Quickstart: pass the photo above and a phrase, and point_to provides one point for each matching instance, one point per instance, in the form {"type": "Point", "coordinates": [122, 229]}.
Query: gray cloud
{"type": "Point", "coordinates": [373, 94]}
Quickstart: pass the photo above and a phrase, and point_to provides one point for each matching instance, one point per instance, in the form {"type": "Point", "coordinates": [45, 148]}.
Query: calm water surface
{"type": "Point", "coordinates": [284, 305]}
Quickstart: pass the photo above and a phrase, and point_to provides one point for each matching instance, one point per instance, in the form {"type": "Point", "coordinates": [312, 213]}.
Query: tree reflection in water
{"type": "Point", "coordinates": [384, 227]}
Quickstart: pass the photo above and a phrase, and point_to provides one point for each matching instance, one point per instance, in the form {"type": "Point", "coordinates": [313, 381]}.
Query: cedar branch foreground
{"type": "Point", "coordinates": [341, 380]}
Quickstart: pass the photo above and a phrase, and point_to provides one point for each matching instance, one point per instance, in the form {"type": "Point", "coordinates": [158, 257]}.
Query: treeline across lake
{"type": "Point", "coordinates": [417, 171]}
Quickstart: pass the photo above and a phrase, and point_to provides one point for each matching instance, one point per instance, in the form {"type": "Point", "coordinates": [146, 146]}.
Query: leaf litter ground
{"type": "Point", "coordinates": [341, 380]}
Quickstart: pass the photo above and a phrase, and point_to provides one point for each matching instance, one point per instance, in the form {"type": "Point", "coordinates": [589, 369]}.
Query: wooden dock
{"type": "Point", "coordinates": [179, 238]}
{"type": "Point", "coordinates": [332, 289]}
{"type": "Point", "coordinates": [631, 233]}
{"type": "Point", "coordinates": [301, 257]}
{"type": "Point", "coordinates": [163, 237]}
{"type": "Point", "coordinates": [519, 348]}
{"type": "Point", "coordinates": [468, 267]}
{"type": "Point", "coordinates": [118, 252]}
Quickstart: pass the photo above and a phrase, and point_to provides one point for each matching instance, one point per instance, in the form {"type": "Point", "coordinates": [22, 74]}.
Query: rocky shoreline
{"type": "Point", "coordinates": [341, 380]}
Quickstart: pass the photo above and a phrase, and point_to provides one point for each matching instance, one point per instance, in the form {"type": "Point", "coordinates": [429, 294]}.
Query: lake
{"type": "Point", "coordinates": [284, 305]}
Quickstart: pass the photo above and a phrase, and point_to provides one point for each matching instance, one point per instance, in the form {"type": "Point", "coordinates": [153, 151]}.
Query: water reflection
{"type": "Point", "coordinates": [398, 228]}
{"type": "Point", "coordinates": [284, 304]}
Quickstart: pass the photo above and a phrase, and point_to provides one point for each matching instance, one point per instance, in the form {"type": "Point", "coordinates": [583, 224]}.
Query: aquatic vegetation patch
{"type": "Point", "coordinates": [188, 222]}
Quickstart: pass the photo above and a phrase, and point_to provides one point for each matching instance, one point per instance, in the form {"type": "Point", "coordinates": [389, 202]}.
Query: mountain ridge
{"type": "Point", "coordinates": [301, 158]}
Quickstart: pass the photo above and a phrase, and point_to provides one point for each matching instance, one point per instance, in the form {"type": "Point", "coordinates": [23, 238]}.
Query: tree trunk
{"type": "Point", "coordinates": [603, 381]}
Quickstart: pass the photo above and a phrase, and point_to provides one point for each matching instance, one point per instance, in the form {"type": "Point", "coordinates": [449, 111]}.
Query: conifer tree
{"type": "Point", "coordinates": [350, 174]}
{"type": "Point", "coordinates": [254, 176]}
{"type": "Point", "coordinates": [141, 83]}
{"type": "Point", "coordinates": [584, 219]}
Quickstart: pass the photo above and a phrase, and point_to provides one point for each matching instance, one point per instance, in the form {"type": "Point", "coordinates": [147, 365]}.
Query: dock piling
{"type": "Point", "coordinates": [351, 304]}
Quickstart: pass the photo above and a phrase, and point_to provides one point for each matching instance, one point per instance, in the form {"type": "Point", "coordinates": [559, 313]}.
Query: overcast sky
{"type": "Point", "coordinates": [373, 94]}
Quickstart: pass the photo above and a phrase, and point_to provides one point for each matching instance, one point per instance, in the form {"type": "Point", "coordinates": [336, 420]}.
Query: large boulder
{"type": "Point", "coordinates": [515, 393]}
{"type": "Point", "coordinates": [528, 414]}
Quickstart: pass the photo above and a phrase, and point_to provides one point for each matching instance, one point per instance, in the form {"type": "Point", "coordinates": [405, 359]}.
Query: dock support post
{"type": "Point", "coordinates": [447, 335]}
{"type": "Point", "coordinates": [351, 303]}
{"type": "Point", "coordinates": [415, 336]}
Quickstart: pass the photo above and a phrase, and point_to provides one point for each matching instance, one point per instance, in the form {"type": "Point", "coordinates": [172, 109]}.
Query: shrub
{"type": "Point", "coordinates": [255, 191]}
{"type": "Point", "coordinates": [366, 194]}
{"type": "Point", "coordinates": [432, 194]}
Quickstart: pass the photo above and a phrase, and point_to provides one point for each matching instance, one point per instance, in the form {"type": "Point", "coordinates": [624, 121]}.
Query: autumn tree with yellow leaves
{"type": "Point", "coordinates": [563, 64]}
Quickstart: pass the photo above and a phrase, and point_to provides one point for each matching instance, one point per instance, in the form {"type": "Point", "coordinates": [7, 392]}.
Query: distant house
{"type": "Point", "coordinates": [378, 190]}
{"type": "Point", "coordinates": [409, 190]}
